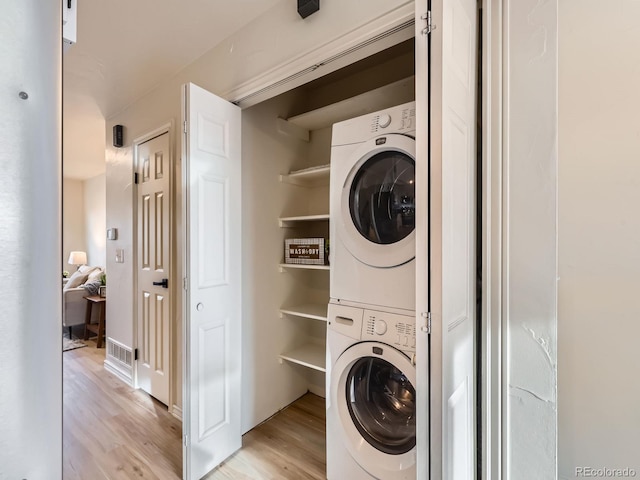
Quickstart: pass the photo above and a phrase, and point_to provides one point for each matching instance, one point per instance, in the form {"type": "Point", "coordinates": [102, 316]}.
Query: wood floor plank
{"type": "Point", "coordinates": [113, 432]}
{"type": "Point", "coordinates": [289, 446]}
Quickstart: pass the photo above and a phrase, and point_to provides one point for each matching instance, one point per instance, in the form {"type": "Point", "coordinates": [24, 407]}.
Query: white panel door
{"type": "Point", "coordinates": [153, 168]}
{"type": "Point", "coordinates": [212, 193]}
{"type": "Point", "coordinates": [457, 230]}
{"type": "Point", "coordinates": [446, 280]}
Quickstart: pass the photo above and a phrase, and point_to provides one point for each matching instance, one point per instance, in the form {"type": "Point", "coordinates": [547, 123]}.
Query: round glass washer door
{"type": "Point", "coordinates": [381, 402]}
{"type": "Point", "coordinates": [373, 388]}
{"type": "Point", "coordinates": [378, 202]}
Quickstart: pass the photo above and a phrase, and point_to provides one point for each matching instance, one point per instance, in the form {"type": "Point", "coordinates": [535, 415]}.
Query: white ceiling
{"type": "Point", "coordinates": [126, 48]}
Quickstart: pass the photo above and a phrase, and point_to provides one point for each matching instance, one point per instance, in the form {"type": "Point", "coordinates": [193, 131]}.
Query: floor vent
{"type": "Point", "coordinates": [120, 353]}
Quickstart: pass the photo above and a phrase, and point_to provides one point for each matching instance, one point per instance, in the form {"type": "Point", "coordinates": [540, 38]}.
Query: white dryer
{"type": "Point", "coordinates": [372, 207]}
{"type": "Point", "coordinates": [371, 375]}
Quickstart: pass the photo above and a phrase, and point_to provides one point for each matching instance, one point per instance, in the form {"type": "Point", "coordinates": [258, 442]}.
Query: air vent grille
{"type": "Point", "coordinates": [120, 353]}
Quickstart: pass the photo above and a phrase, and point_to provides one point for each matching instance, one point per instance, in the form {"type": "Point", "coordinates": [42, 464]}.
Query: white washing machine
{"type": "Point", "coordinates": [371, 375]}
{"type": "Point", "coordinates": [372, 208]}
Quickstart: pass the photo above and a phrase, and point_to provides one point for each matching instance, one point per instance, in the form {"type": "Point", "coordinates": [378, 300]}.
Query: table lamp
{"type": "Point", "coordinates": [77, 258]}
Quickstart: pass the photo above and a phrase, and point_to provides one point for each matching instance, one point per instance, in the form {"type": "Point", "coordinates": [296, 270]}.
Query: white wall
{"type": "Point", "coordinates": [83, 133]}
{"type": "Point", "coordinates": [530, 239]}
{"type": "Point", "coordinates": [84, 220]}
{"type": "Point", "coordinates": [265, 155]}
{"type": "Point", "coordinates": [599, 226]}
{"type": "Point", "coordinates": [95, 211]}
{"type": "Point", "coordinates": [73, 221]}
{"type": "Point", "coordinates": [278, 35]}
{"type": "Point", "coordinates": [30, 281]}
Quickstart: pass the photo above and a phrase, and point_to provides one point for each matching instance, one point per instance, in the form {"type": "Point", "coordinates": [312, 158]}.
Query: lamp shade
{"type": "Point", "coordinates": [77, 258]}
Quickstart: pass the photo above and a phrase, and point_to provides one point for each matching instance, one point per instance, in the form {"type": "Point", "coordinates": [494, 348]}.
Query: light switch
{"type": "Point", "coordinates": [119, 255]}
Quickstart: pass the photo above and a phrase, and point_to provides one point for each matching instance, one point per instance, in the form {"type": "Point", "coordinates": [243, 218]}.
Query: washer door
{"type": "Point", "coordinates": [372, 386]}
{"type": "Point", "coordinates": [378, 202]}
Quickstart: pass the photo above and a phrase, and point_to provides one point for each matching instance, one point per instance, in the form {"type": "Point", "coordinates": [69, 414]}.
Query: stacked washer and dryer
{"type": "Point", "coordinates": [371, 427]}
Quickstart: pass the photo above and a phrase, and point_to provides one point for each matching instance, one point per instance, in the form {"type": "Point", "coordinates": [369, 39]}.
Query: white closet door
{"type": "Point", "coordinates": [212, 193]}
{"type": "Point", "coordinates": [446, 266]}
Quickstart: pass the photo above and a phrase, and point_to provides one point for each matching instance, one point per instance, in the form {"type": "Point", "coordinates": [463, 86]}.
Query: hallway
{"type": "Point", "coordinates": [113, 432]}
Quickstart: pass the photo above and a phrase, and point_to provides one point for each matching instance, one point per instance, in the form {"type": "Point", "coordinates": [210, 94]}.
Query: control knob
{"type": "Point", "coordinates": [380, 327]}
{"type": "Point", "coordinates": [384, 120]}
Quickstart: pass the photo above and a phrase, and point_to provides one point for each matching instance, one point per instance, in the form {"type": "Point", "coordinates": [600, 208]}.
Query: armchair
{"type": "Point", "coordinates": [73, 303]}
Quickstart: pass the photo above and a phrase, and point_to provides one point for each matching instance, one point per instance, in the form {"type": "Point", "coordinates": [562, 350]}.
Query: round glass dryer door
{"type": "Point", "coordinates": [381, 402]}
{"type": "Point", "coordinates": [382, 197]}
{"type": "Point", "coordinates": [378, 202]}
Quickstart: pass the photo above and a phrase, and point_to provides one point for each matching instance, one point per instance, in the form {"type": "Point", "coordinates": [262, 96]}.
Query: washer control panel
{"type": "Point", "coordinates": [390, 328]}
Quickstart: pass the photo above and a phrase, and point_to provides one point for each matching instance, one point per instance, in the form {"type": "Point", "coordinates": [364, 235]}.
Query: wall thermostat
{"type": "Point", "coordinates": [112, 233]}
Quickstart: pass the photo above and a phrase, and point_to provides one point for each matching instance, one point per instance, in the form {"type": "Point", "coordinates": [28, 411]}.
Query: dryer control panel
{"type": "Point", "coordinates": [397, 120]}
{"type": "Point", "coordinates": [390, 328]}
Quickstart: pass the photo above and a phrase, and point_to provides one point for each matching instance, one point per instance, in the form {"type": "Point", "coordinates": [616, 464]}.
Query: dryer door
{"type": "Point", "coordinates": [378, 202]}
{"type": "Point", "coordinates": [372, 386]}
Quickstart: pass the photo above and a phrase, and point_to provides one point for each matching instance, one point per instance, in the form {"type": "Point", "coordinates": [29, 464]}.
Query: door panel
{"type": "Point", "coordinates": [212, 267]}
{"type": "Point", "coordinates": [458, 238]}
{"type": "Point", "coordinates": [212, 183]}
{"type": "Point", "coordinates": [153, 366]}
{"type": "Point", "coordinates": [445, 252]}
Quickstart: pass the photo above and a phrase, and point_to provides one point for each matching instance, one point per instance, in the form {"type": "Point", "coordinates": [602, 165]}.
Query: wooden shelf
{"type": "Point", "coordinates": [309, 177]}
{"type": "Point", "coordinates": [284, 266]}
{"type": "Point", "coordinates": [386, 96]}
{"type": "Point", "coordinates": [310, 355]}
{"type": "Point", "coordinates": [290, 221]}
{"type": "Point", "coordinates": [315, 311]}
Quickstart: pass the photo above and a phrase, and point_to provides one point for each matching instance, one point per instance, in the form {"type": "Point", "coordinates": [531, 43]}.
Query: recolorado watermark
{"type": "Point", "coordinates": [603, 472]}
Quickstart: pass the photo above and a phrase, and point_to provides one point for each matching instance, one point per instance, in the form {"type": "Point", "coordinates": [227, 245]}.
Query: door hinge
{"type": "Point", "coordinates": [186, 440]}
{"type": "Point", "coordinates": [426, 328]}
{"type": "Point", "coordinates": [430, 26]}
{"type": "Point", "coordinates": [185, 284]}
{"type": "Point", "coordinates": [135, 178]}
{"type": "Point", "coordinates": [184, 126]}
{"type": "Point", "coordinates": [135, 354]}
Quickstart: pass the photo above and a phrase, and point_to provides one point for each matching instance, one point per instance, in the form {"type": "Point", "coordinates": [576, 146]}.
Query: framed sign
{"type": "Point", "coordinates": [305, 251]}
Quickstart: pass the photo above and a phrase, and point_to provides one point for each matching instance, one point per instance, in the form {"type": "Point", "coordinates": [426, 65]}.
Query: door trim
{"type": "Point", "coordinates": [492, 326]}
{"type": "Point", "coordinates": [373, 37]}
{"type": "Point", "coordinates": [169, 129]}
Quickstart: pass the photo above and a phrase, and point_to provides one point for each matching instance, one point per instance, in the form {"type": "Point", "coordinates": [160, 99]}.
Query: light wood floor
{"type": "Point", "coordinates": [290, 445]}
{"type": "Point", "coordinates": [111, 431]}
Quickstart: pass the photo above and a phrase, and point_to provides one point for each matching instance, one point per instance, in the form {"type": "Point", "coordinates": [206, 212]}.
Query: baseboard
{"type": "Point", "coordinates": [317, 390]}
{"type": "Point", "coordinates": [176, 411]}
{"type": "Point", "coordinates": [119, 371]}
